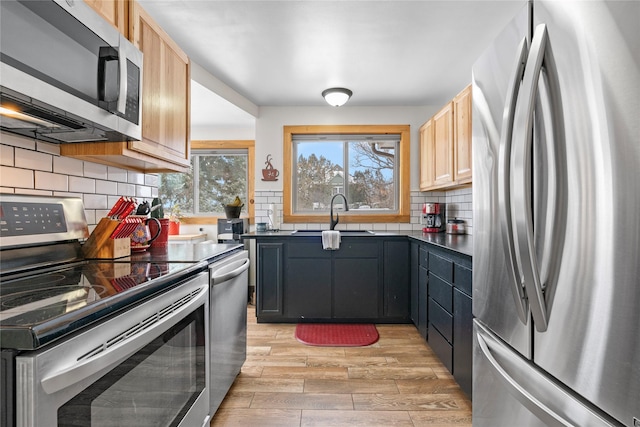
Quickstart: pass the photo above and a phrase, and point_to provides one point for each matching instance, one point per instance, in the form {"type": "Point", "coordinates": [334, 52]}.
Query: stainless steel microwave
{"type": "Point", "coordinates": [66, 74]}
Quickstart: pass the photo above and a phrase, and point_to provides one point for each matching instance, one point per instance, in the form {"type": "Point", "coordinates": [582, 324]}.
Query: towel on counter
{"type": "Point", "coordinates": [331, 240]}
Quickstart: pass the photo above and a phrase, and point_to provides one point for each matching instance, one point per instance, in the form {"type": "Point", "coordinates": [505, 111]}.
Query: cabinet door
{"type": "Point", "coordinates": [415, 268]}
{"type": "Point", "coordinates": [423, 310]}
{"type": "Point", "coordinates": [463, 340]}
{"type": "Point", "coordinates": [308, 288]}
{"type": "Point", "coordinates": [356, 288]}
{"type": "Point", "coordinates": [443, 146]}
{"type": "Point", "coordinates": [165, 97]}
{"type": "Point", "coordinates": [269, 279]}
{"type": "Point", "coordinates": [115, 12]}
{"type": "Point", "coordinates": [396, 279]}
{"type": "Point", "coordinates": [462, 136]}
{"type": "Point", "coordinates": [427, 157]}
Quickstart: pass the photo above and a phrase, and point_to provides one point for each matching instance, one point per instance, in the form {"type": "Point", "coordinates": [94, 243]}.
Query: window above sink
{"type": "Point", "coordinates": [369, 164]}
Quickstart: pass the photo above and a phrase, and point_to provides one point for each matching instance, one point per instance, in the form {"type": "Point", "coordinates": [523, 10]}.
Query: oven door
{"type": "Point", "coordinates": [145, 367]}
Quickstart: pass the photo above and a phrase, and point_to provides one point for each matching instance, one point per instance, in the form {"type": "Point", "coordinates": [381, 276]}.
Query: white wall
{"type": "Point", "coordinates": [271, 120]}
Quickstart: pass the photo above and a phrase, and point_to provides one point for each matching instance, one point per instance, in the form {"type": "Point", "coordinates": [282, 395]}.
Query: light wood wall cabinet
{"type": "Point", "coordinates": [115, 12]}
{"type": "Point", "coordinates": [462, 136]}
{"type": "Point", "coordinates": [445, 145]}
{"type": "Point", "coordinates": [166, 85]}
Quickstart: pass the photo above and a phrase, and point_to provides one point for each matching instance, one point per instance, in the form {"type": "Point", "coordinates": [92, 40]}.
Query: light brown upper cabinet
{"type": "Point", "coordinates": [426, 155]}
{"type": "Point", "coordinates": [462, 136]}
{"type": "Point", "coordinates": [445, 145]}
{"type": "Point", "coordinates": [166, 85]}
{"type": "Point", "coordinates": [115, 12]}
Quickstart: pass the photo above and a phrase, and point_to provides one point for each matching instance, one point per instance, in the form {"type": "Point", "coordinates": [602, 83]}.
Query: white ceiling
{"type": "Point", "coordinates": [285, 53]}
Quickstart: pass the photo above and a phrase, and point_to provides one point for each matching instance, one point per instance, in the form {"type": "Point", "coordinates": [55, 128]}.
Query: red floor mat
{"type": "Point", "coordinates": [336, 334]}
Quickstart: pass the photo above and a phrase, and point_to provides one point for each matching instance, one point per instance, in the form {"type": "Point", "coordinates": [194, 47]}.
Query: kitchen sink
{"type": "Point", "coordinates": [342, 232]}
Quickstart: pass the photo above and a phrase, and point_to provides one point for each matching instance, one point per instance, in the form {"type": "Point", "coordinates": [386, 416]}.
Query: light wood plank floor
{"type": "Point", "coordinates": [398, 381]}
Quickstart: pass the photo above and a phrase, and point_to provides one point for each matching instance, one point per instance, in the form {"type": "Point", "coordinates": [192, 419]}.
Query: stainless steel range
{"type": "Point", "coordinates": [96, 343]}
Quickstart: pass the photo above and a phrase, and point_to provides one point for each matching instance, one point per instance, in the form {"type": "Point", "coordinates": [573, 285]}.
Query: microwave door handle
{"type": "Point", "coordinates": [106, 56]}
{"type": "Point", "coordinates": [70, 375]}
{"type": "Point", "coordinates": [122, 76]}
{"type": "Point", "coordinates": [504, 172]}
{"type": "Point", "coordinates": [521, 188]}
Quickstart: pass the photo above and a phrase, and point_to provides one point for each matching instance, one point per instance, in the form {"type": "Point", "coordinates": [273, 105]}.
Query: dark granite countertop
{"type": "Point", "coordinates": [461, 243]}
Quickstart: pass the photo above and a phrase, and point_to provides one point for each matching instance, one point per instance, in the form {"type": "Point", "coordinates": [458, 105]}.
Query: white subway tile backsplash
{"type": "Point", "coordinates": [40, 169]}
{"type": "Point", "coordinates": [6, 155]}
{"type": "Point", "coordinates": [68, 166]}
{"type": "Point", "coordinates": [51, 181]}
{"type": "Point", "coordinates": [15, 177]}
{"type": "Point", "coordinates": [116, 174]}
{"type": "Point", "coordinates": [94, 170]}
{"type": "Point", "coordinates": [82, 185]}
{"type": "Point", "coordinates": [106, 187]}
{"type": "Point", "coordinates": [17, 141]}
{"type": "Point", "coordinates": [95, 201]}
{"type": "Point", "coordinates": [135, 178]}
{"type": "Point", "coordinates": [143, 192]}
{"type": "Point", "coordinates": [28, 159]}
{"type": "Point", "coordinates": [46, 147]}
{"type": "Point", "coordinates": [151, 180]}
{"type": "Point", "coordinates": [126, 189]}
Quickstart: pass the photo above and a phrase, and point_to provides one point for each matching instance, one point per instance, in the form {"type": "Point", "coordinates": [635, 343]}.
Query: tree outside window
{"type": "Point", "coordinates": [214, 180]}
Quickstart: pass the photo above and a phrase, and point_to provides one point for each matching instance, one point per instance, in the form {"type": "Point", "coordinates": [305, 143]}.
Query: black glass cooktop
{"type": "Point", "coordinates": [41, 307]}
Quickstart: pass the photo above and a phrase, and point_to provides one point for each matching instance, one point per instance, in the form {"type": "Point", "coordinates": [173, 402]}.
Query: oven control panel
{"type": "Point", "coordinates": [28, 219]}
{"type": "Point", "coordinates": [31, 218]}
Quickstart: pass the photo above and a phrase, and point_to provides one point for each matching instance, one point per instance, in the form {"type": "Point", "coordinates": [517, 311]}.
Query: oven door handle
{"type": "Point", "coordinates": [135, 338]}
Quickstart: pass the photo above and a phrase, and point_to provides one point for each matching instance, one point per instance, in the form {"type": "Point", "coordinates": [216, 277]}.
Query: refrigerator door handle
{"type": "Point", "coordinates": [538, 408]}
{"type": "Point", "coordinates": [504, 172]}
{"type": "Point", "coordinates": [521, 188]}
{"type": "Point", "coordinates": [542, 396]}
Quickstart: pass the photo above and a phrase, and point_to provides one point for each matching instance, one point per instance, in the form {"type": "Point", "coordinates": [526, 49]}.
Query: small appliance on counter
{"type": "Point", "coordinates": [230, 230]}
{"type": "Point", "coordinates": [433, 217]}
{"type": "Point", "coordinates": [456, 226]}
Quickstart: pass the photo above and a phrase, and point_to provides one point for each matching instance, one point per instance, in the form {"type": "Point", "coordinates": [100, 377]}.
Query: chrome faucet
{"type": "Point", "coordinates": [333, 222]}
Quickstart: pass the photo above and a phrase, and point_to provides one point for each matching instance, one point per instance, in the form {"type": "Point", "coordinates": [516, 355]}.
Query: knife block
{"type": "Point", "coordinates": [99, 245]}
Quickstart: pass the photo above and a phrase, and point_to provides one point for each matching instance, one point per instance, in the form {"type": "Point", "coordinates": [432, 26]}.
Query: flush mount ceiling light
{"type": "Point", "coordinates": [336, 96]}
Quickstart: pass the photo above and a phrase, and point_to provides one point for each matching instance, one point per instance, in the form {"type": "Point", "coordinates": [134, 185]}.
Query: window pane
{"type": "Point", "coordinates": [177, 189]}
{"type": "Point", "coordinates": [371, 175]}
{"type": "Point", "coordinates": [320, 170]}
{"type": "Point", "coordinates": [221, 179]}
{"type": "Point", "coordinates": [323, 162]}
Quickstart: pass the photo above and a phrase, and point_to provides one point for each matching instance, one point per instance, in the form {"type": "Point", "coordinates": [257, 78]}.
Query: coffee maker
{"type": "Point", "coordinates": [433, 218]}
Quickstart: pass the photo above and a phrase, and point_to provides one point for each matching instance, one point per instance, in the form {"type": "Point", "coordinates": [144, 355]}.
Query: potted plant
{"type": "Point", "coordinates": [174, 220]}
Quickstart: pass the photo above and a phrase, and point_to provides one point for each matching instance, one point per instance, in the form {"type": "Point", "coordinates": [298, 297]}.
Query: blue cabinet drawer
{"type": "Point", "coordinates": [441, 348]}
{"type": "Point", "coordinates": [424, 257]}
{"type": "Point", "coordinates": [441, 267]}
{"type": "Point", "coordinates": [463, 279]}
{"type": "Point", "coordinates": [441, 292]}
{"type": "Point", "coordinates": [441, 319]}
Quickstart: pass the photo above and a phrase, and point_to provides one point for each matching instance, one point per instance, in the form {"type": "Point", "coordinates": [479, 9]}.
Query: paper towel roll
{"type": "Point", "coordinates": [274, 217]}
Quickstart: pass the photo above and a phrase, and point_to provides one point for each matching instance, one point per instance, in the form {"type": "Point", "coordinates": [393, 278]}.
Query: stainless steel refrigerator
{"type": "Point", "coordinates": [556, 195]}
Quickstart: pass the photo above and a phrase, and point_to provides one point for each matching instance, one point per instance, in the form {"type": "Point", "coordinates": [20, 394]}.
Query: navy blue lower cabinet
{"type": "Point", "coordinates": [269, 280]}
{"type": "Point", "coordinates": [367, 279]}
{"type": "Point", "coordinates": [356, 288]}
{"type": "Point", "coordinates": [450, 313]}
{"type": "Point", "coordinates": [463, 337]}
{"type": "Point", "coordinates": [396, 277]}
